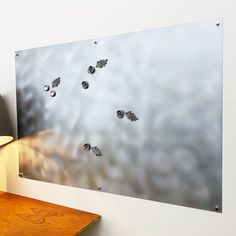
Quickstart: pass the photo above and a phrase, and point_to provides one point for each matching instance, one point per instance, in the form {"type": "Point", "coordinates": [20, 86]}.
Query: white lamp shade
{"type": "Point", "coordinates": [5, 139]}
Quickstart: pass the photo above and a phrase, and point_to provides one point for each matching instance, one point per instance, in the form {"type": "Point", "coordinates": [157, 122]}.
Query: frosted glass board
{"type": "Point", "coordinates": [136, 114]}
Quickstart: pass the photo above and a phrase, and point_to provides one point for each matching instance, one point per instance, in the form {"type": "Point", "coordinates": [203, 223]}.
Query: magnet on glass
{"type": "Point", "coordinates": [120, 114]}
{"type": "Point", "coordinates": [102, 63]}
{"type": "Point", "coordinates": [53, 93]}
{"type": "Point", "coordinates": [46, 88]}
{"type": "Point", "coordinates": [56, 82]}
{"type": "Point", "coordinates": [97, 151]}
{"type": "Point", "coordinates": [91, 69]}
{"type": "Point", "coordinates": [131, 116]}
{"type": "Point", "coordinates": [85, 84]}
{"type": "Point", "coordinates": [87, 147]}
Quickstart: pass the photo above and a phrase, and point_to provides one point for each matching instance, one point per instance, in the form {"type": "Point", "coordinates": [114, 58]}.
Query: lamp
{"type": "Point", "coordinates": [6, 130]}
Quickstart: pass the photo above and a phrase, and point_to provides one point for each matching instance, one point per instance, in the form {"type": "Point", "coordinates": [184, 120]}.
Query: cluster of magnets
{"type": "Point", "coordinates": [85, 85]}
{"type": "Point", "coordinates": [91, 70]}
{"type": "Point", "coordinates": [55, 83]}
{"type": "Point", "coordinates": [120, 113]}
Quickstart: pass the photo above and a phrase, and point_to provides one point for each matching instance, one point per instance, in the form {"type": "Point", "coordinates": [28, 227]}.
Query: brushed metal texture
{"type": "Point", "coordinates": [170, 78]}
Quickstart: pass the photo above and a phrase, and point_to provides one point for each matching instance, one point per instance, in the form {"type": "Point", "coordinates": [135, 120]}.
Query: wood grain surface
{"type": "Point", "coordinates": [29, 217]}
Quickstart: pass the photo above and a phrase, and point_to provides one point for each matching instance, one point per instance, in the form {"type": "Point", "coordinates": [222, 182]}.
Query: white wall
{"type": "Point", "coordinates": [27, 23]}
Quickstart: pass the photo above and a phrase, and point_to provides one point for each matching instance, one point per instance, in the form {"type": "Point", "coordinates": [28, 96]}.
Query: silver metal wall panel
{"type": "Point", "coordinates": [170, 78]}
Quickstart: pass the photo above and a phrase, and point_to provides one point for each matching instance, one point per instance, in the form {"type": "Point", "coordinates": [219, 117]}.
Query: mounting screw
{"type": "Point", "coordinates": [91, 69]}
{"type": "Point", "coordinates": [46, 88]}
{"type": "Point", "coordinates": [52, 93]}
{"type": "Point", "coordinates": [217, 23]}
{"type": "Point", "coordinates": [217, 207]}
{"type": "Point", "coordinates": [20, 174]}
{"type": "Point", "coordinates": [16, 54]}
{"type": "Point", "coordinates": [87, 146]}
{"type": "Point", "coordinates": [120, 114]}
{"type": "Point", "coordinates": [99, 188]}
{"type": "Point", "coordinates": [95, 42]}
{"type": "Point", "coordinates": [85, 84]}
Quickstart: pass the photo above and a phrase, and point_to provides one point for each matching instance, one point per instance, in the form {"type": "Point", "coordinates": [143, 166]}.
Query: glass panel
{"type": "Point", "coordinates": [136, 114]}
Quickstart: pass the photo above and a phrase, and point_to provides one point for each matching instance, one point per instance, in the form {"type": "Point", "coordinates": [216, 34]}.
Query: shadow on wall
{"type": "Point", "coordinates": [6, 127]}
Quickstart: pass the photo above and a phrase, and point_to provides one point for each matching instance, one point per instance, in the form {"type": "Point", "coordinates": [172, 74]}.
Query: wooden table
{"type": "Point", "coordinates": [29, 217]}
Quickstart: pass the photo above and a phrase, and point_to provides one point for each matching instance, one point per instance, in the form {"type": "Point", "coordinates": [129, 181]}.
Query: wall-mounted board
{"type": "Point", "coordinates": [137, 114]}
